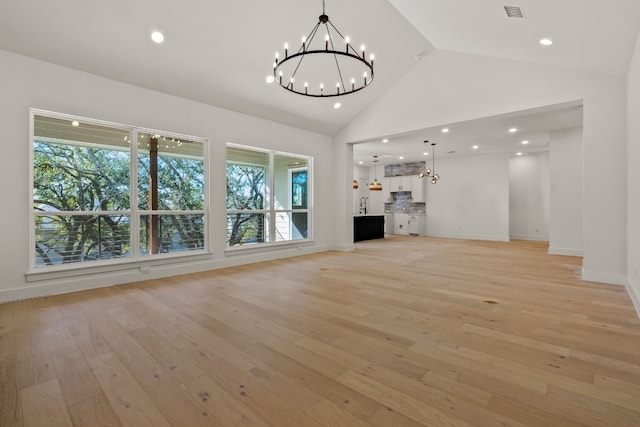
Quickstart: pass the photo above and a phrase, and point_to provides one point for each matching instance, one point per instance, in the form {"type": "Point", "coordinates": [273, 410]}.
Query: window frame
{"type": "Point", "coordinates": [270, 210]}
{"type": "Point", "coordinates": [134, 212]}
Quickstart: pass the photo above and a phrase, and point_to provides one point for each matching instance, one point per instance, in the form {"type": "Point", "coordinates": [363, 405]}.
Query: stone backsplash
{"type": "Point", "coordinates": [403, 203]}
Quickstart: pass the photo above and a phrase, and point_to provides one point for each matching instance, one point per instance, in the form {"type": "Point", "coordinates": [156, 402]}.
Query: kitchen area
{"type": "Point", "coordinates": [396, 206]}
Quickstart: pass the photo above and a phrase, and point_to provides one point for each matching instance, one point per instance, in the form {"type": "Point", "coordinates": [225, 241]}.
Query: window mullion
{"type": "Point", "coordinates": [272, 201]}
{"type": "Point", "coordinates": [134, 231]}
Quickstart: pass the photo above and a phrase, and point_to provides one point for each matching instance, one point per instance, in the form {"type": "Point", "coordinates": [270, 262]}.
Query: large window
{"type": "Point", "coordinates": [268, 196]}
{"type": "Point", "coordinates": [99, 198]}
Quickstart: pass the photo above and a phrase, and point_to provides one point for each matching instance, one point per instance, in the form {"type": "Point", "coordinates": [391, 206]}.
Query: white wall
{"type": "Point", "coordinates": [25, 83]}
{"type": "Point", "coordinates": [566, 192]}
{"type": "Point", "coordinates": [529, 196]}
{"type": "Point", "coordinates": [449, 87]}
{"type": "Point", "coordinates": [633, 159]}
{"type": "Point", "coordinates": [471, 199]}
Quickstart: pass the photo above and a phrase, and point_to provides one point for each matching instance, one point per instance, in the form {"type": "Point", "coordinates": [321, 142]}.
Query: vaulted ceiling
{"type": "Point", "coordinates": [220, 52]}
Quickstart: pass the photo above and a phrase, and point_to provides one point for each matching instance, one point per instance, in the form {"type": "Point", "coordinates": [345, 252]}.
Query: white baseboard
{"type": "Point", "coordinates": [635, 297]}
{"type": "Point", "coordinates": [602, 277]}
{"type": "Point", "coordinates": [565, 251]}
{"type": "Point", "coordinates": [469, 237]}
{"type": "Point", "coordinates": [535, 238]}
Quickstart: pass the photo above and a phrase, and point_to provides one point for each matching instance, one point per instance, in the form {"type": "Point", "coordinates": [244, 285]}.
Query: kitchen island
{"type": "Point", "coordinates": [367, 227]}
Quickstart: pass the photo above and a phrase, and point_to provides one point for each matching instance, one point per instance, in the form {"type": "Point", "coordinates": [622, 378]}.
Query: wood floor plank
{"type": "Point", "coordinates": [46, 406]}
{"type": "Point", "coordinates": [10, 406]}
{"type": "Point", "coordinates": [402, 331]}
{"type": "Point", "coordinates": [94, 411]}
{"type": "Point", "coordinates": [129, 402]}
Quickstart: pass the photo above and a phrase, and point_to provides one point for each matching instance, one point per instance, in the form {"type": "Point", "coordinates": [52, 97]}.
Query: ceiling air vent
{"type": "Point", "coordinates": [514, 11]}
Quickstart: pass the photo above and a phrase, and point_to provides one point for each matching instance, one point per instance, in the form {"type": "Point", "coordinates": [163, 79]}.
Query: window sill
{"type": "Point", "coordinates": [261, 247]}
{"type": "Point", "coordinates": [120, 266]}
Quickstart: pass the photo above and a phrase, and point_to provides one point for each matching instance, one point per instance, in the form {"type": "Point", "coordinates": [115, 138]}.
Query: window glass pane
{"type": "Point", "coordinates": [246, 228]}
{"type": "Point", "coordinates": [291, 226]}
{"type": "Point", "coordinates": [177, 165]}
{"type": "Point", "coordinates": [246, 179]}
{"type": "Point", "coordinates": [64, 239]}
{"type": "Point", "coordinates": [299, 189]}
{"type": "Point", "coordinates": [79, 166]}
{"type": "Point", "coordinates": [290, 182]}
{"type": "Point", "coordinates": [174, 233]}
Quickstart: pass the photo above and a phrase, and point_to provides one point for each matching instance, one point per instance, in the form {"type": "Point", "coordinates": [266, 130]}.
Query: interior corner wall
{"type": "Point", "coordinates": [449, 87]}
{"type": "Point", "coordinates": [28, 83]}
{"type": "Point", "coordinates": [471, 199]}
{"type": "Point", "coordinates": [565, 236]}
{"type": "Point", "coordinates": [633, 191]}
{"type": "Point", "coordinates": [529, 196]}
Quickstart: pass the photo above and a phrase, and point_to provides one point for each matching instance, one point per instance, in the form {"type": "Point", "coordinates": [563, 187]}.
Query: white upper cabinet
{"type": "Point", "coordinates": [418, 189]}
{"type": "Point", "coordinates": [400, 183]}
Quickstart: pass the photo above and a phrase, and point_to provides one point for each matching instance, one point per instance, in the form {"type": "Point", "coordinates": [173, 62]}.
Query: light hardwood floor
{"type": "Point", "coordinates": [409, 331]}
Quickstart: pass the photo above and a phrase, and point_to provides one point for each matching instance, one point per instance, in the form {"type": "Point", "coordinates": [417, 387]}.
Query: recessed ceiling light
{"type": "Point", "coordinates": [75, 123]}
{"type": "Point", "coordinates": [546, 42]}
{"type": "Point", "coordinates": [157, 37]}
{"type": "Point", "coordinates": [425, 154]}
{"type": "Point", "coordinates": [360, 162]}
{"type": "Point", "coordinates": [513, 130]}
{"type": "Point", "coordinates": [384, 141]}
{"type": "Point", "coordinates": [475, 147]}
{"type": "Point", "coordinates": [401, 157]}
{"type": "Point", "coordinates": [525, 142]}
{"type": "Point", "coordinates": [270, 79]}
{"type": "Point", "coordinates": [337, 105]}
{"type": "Point", "coordinates": [518, 154]}
{"type": "Point", "coordinates": [445, 130]}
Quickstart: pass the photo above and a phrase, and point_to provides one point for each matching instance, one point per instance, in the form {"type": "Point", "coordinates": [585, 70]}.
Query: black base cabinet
{"type": "Point", "coordinates": [368, 227]}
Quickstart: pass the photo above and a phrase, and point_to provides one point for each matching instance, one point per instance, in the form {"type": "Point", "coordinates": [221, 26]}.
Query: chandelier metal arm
{"type": "Point", "coordinates": [335, 57]}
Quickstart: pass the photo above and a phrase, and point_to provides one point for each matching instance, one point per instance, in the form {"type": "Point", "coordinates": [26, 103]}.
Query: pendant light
{"type": "Point", "coordinates": [431, 173]}
{"type": "Point", "coordinates": [375, 185]}
{"type": "Point", "coordinates": [355, 184]}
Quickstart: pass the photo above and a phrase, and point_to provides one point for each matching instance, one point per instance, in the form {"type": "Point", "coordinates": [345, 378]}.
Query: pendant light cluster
{"type": "Point", "coordinates": [375, 185]}
{"type": "Point", "coordinates": [334, 60]}
{"type": "Point", "coordinates": [431, 173]}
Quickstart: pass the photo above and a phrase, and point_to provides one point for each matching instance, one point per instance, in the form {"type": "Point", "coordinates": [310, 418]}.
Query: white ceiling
{"type": "Point", "coordinates": [595, 35]}
{"type": "Point", "coordinates": [490, 134]}
{"type": "Point", "coordinates": [220, 52]}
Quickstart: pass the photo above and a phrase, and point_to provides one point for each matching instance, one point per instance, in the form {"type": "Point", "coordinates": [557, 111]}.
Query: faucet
{"type": "Point", "coordinates": [363, 205]}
